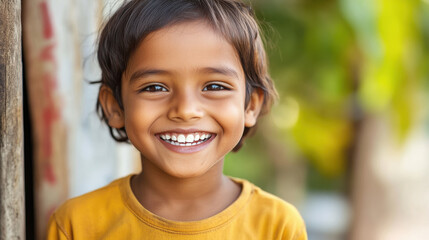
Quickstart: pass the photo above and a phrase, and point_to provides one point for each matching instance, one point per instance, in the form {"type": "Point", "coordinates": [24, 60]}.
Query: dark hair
{"type": "Point", "coordinates": [136, 19]}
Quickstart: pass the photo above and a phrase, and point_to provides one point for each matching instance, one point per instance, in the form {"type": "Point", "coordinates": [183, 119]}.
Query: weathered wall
{"type": "Point", "coordinates": [49, 128]}
{"type": "Point", "coordinates": [73, 151]}
{"type": "Point", "coordinates": [12, 219]}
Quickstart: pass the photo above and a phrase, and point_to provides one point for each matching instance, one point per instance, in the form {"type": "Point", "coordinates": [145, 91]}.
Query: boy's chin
{"type": "Point", "coordinates": [188, 173]}
{"type": "Point", "coordinates": [184, 172]}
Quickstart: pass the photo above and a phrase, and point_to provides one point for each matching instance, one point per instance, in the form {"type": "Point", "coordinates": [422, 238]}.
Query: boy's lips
{"type": "Point", "coordinates": [185, 141]}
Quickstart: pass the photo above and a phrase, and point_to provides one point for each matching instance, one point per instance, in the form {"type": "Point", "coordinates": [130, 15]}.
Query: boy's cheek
{"type": "Point", "coordinates": [230, 112]}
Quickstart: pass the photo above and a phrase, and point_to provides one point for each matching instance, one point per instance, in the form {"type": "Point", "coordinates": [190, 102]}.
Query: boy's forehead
{"type": "Point", "coordinates": [182, 27]}
{"type": "Point", "coordinates": [192, 31]}
{"type": "Point", "coordinates": [191, 46]}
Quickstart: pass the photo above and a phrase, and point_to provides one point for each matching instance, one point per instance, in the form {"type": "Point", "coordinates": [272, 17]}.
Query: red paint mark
{"type": "Point", "coordinates": [49, 173]}
{"type": "Point", "coordinates": [50, 112]}
{"type": "Point", "coordinates": [47, 53]}
{"type": "Point", "coordinates": [47, 25]}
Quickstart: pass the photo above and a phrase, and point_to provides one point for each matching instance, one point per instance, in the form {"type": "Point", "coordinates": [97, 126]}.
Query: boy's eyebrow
{"type": "Point", "coordinates": [206, 70]}
{"type": "Point", "coordinates": [220, 70]}
{"type": "Point", "coordinates": [147, 72]}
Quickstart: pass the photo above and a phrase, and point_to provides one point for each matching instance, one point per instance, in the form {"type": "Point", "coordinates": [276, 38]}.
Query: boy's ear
{"type": "Point", "coordinates": [111, 109]}
{"type": "Point", "coordinates": [253, 108]}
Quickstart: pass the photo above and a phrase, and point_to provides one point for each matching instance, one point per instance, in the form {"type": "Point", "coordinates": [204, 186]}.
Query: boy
{"type": "Point", "coordinates": [184, 81]}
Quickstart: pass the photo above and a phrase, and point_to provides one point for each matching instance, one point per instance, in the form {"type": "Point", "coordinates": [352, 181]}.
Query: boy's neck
{"type": "Point", "coordinates": [184, 199]}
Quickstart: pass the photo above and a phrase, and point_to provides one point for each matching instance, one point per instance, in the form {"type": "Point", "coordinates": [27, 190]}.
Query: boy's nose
{"type": "Point", "coordinates": [185, 107]}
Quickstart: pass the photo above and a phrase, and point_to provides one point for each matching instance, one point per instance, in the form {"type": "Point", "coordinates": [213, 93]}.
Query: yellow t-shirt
{"type": "Point", "coordinates": [113, 212]}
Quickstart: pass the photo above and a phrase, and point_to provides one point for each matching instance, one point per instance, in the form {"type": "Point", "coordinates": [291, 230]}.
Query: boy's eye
{"type": "Point", "coordinates": [154, 88]}
{"type": "Point", "coordinates": [214, 87]}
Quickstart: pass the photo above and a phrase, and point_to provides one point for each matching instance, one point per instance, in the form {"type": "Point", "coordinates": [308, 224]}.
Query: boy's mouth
{"type": "Point", "coordinates": [185, 139]}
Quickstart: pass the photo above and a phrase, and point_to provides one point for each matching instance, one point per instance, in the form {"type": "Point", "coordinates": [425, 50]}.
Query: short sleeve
{"type": "Point", "coordinates": [294, 229]}
{"type": "Point", "coordinates": [302, 235]}
{"type": "Point", "coordinates": [298, 232]}
{"type": "Point", "coordinates": [54, 231]}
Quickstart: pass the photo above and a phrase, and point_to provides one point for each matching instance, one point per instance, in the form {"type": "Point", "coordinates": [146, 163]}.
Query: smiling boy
{"type": "Point", "coordinates": [184, 81]}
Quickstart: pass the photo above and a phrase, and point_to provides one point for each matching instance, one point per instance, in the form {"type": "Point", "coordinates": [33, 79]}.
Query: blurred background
{"type": "Point", "coordinates": [347, 143]}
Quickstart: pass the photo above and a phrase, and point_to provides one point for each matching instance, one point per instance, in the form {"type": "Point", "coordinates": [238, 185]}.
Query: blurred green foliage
{"type": "Point", "coordinates": [334, 63]}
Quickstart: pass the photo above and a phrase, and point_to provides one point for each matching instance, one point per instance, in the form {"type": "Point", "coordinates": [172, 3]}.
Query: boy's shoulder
{"type": "Point", "coordinates": [93, 202]}
{"type": "Point", "coordinates": [265, 199]}
{"type": "Point", "coordinates": [77, 217]}
{"type": "Point", "coordinates": [267, 209]}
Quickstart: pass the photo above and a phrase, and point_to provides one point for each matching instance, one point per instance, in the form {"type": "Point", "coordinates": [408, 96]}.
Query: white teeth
{"type": "Point", "coordinates": [190, 138]}
{"type": "Point", "coordinates": [181, 138]}
{"type": "Point", "coordinates": [185, 139]}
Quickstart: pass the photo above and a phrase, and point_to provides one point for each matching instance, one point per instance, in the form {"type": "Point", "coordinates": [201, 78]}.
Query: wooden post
{"type": "Point", "coordinates": [12, 211]}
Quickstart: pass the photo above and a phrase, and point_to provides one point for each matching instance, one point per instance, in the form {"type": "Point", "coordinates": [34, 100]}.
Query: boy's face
{"type": "Point", "coordinates": [184, 100]}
